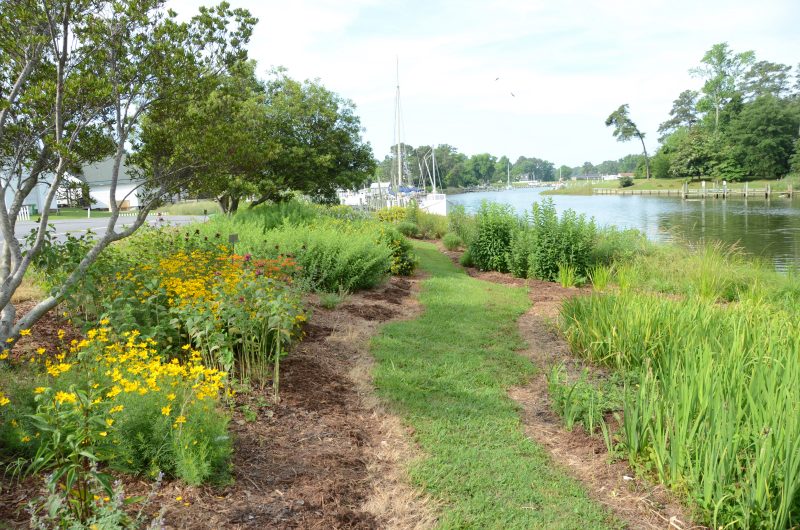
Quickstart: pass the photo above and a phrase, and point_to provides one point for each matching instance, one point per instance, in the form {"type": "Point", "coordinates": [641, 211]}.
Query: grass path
{"type": "Point", "coordinates": [447, 373]}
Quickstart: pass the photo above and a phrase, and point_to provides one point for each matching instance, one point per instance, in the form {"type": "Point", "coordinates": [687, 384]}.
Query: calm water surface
{"type": "Point", "coordinates": [764, 228]}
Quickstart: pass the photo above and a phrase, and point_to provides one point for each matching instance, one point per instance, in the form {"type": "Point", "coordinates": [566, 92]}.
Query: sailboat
{"type": "Point", "coordinates": [508, 173]}
{"type": "Point", "coordinates": [435, 203]}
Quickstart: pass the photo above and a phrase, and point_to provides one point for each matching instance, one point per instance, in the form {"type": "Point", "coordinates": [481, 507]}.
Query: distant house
{"type": "Point", "coordinates": [98, 177]}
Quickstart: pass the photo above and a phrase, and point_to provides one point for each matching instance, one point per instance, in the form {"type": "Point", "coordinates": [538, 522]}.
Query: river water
{"type": "Point", "coordinates": [766, 228]}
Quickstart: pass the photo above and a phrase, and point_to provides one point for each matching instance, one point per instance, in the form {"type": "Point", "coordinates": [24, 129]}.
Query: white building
{"type": "Point", "coordinates": [98, 177]}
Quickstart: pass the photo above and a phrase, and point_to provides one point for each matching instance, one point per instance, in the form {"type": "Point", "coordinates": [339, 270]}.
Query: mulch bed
{"type": "Point", "coordinates": [303, 462]}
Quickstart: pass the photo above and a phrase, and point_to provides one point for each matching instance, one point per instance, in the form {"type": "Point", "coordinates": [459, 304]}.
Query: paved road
{"type": "Point", "coordinates": [98, 224]}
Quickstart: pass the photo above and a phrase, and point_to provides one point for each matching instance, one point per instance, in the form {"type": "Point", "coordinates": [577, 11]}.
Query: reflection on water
{"type": "Point", "coordinates": [764, 228]}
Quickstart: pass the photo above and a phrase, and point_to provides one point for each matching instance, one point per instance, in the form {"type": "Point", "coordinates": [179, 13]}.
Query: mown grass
{"type": "Point", "coordinates": [447, 373]}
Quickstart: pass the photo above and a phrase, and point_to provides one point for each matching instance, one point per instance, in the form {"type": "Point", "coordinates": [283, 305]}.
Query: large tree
{"type": "Point", "coordinates": [722, 72]}
{"type": "Point", "coordinates": [78, 79]}
{"type": "Point", "coordinates": [682, 114]}
{"type": "Point", "coordinates": [762, 137]}
{"type": "Point", "coordinates": [625, 129]}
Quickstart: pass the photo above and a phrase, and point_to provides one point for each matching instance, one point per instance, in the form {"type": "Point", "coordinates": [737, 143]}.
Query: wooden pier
{"type": "Point", "coordinates": [703, 193]}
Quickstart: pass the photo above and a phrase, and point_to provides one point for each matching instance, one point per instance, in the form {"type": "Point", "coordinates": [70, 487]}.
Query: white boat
{"type": "Point", "coordinates": [434, 202]}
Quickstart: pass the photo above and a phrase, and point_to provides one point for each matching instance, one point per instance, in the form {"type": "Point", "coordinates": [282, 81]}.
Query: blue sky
{"type": "Point", "coordinates": [569, 64]}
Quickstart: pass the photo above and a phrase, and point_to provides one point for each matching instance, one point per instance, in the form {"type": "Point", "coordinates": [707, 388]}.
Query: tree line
{"type": "Point", "coordinates": [458, 170]}
{"type": "Point", "coordinates": [743, 122]}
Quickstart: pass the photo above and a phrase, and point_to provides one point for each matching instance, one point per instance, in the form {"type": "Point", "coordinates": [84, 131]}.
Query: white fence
{"type": "Point", "coordinates": [24, 214]}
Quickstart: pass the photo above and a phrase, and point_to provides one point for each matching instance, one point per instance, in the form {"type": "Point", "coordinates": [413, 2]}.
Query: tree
{"type": "Point", "coordinates": [81, 76]}
{"type": "Point", "coordinates": [480, 168]}
{"type": "Point", "coordinates": [794, 162]}
{"type": "Point", "coordinates": [564, 172]}
{"type": "Point", "coordinates": [587, 169]}
{"type": "Point", "coordinates": [763, 136]}
{"type": "Point", "coordinates": [766, 78]}
{"type": "Point", "coordinates": [625, 130]}
{"type": "Point", "coordinates": [683, 113]}
{"type": "Point", "coordinates": [692, 153]}
{"type": "Point", "coordinates": [722, 72]}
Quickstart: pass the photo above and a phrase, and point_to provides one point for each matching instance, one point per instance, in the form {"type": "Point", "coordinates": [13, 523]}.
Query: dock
{"type": "Point", "coordinates": [703, 192]}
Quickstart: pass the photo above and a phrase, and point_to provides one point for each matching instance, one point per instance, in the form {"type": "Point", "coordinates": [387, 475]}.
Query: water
{"type": "Point", "coordinates": [770, 229]}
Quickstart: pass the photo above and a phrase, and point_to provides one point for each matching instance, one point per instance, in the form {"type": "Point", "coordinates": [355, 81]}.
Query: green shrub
{"type": "Point", "coordinates": [451, 241]}
{"type": "Point", "coordinates": [466, 259]}
{"type": "Point", "coordinates": [461, 224]}
{"type": "Point", "coordinates": [521, 243]}
{"type": "Point", "coordinates": [568, 240]}
{"type": "Point", "coordinates": [492, 242]}
{"type": "Point", "coordinates": [408, 229]}
{"type": "Point", "coordinates": [431, 226]}
{"type": "Point", "coordinates": [331, 258]}
{"type": "Point", "coordinates": [625, 182]}
{"type": "Point", "coordinates": [403, 259]}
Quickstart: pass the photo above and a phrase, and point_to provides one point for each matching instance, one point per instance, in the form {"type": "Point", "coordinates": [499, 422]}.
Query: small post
{"type": "Point", "coordinates": [746, 189]}
{"type": "Point", "coordinates": [703, 185]}
{"type": "Point", "coordinates": [233, 239]}
{"type": "Point", "coordinates": [88, 212]}
{"type": "Point", "coordinates": [790, 191]}
{"type": "Point", "coordinates": [685, 190]}
{"type": "Point", "coordinates": [724, 189]}
{"type": "Point", "coordinates": [769, 191]}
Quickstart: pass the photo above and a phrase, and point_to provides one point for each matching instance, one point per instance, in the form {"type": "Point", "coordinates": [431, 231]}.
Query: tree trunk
{"type": "Point", "coordinates": [646, 158]}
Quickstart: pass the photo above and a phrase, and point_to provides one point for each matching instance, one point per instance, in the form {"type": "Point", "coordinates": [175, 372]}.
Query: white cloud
{"type": "Point", "coordinates": [568, 63]}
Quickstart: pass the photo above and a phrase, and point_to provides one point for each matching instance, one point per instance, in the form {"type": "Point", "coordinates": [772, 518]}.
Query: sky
{"type": "Point", "coordinates": [568, 64]}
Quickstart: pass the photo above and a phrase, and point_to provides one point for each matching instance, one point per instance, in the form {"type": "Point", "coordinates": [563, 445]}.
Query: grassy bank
{"type": "Point", "coordinates": [447, 373]}
{"type": "Point", "coordinates": [586, 188]}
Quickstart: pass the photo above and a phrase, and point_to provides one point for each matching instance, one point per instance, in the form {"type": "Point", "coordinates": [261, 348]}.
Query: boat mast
{"type": "Point", "coordinates": [397, 124]}
{"type": "Point", "coordinates": [508, 170]}
{"type": "Point", "coordinates": [433, 179]}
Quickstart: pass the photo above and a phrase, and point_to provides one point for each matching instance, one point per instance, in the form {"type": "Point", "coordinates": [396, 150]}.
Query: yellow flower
{"type": "Point", "coordinates": [25, 439]}
{"type": "Point", "coordinates": [39, 390]}
{"type": "Point", "coordinates": [166, 410]}
{"type": "Point", "coordinates": [3, 355]}
{"type": "Point", "coordinates": [118, 408]}
{"type": "Point", "coordinates": [24, 332]}
{"type": "Point", "coordinates": [178, 498]}
{"type": "Point", "coordinates": [9, 340]}
{"type": "Point", "coordinates": [103, 434]}
{"type": "Point", "coordinates": [105, 322]}
{"type": "Point", "coordinates": [65, 397]}
{"type": "Point", "coordinates": [171, 397]}
{"type": "Point", "coordinates": [4, 400]}
{"type": "Point", "coordinates": [180, 420]}
{"type": "Point", "coordinates": [40, 351]}
{"type": "Point", "coordinates": [109, 421]}
{"type": "Point", "coordinates": [61, 333]}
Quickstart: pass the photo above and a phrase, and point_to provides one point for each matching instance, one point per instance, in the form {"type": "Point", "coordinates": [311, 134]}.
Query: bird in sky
{"type": "Point", "coordinates": [498, 79]}
{"type": "Point", "coordinates": [512, 95]}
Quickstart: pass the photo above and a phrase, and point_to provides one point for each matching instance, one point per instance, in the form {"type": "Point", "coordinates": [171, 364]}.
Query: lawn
{"type": "Point", "coordinates": [447, 373]}
{"type": "Point", "coordinates": [585, 188]}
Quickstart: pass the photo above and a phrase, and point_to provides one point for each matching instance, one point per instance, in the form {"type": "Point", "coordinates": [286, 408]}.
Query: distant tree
{"type": "Point", "coordinates": [661, 165]}
{"type": "Point", "coordinates": [794, 162]}
{"type": "Point", "coordinates": [683, 113]}
{"type": "Point", "coordinates": [766, 78]}
{"type": "Point", "coordinates": [480, 168]}
{"type": "Point", "coordinates": [763, 136]}
{"type": "Point", "coordinates": [608, 167]}
{"type": "Point", "coordinates": [722, 72]}
{"type": "Point", "coordinates": [625, 129]}
{"type": "Point", "coordinates": [692, 154]}
{"type": "Point", "coordinates": [587, 169]}
{"type": "Point", "coordinates": [564, 172]}
{"type": "Point", "coordinates": [628, 163]}
{"type": "Point", "coordinates": [501, 167]}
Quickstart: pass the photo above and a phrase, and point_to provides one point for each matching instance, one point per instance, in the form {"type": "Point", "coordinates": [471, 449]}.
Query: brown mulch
{"type": "Point", "coordinates": [326, 456]}
{"type": "Point", "coordinates": [633, 499]}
